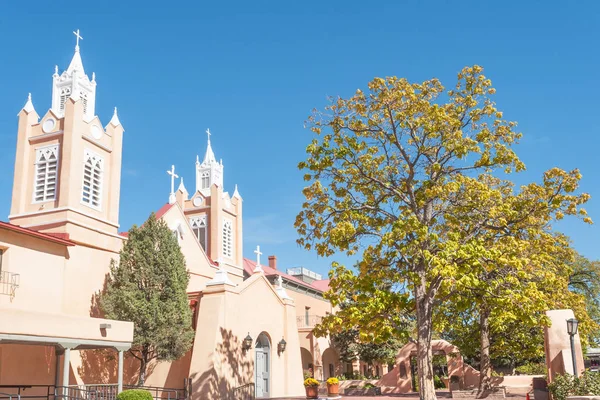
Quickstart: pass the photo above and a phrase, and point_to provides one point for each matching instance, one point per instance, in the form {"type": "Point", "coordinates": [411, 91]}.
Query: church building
{"type": "Point", "coordinates": [253, 323]}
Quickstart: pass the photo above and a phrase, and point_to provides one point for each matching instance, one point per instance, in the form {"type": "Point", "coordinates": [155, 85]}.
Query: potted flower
{"type": "Point", "coordinates": [312, 388]}
{"type": "Point", "coordinates": [333, 386]}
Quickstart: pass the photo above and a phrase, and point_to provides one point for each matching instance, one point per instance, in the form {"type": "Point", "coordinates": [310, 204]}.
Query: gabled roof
{"type": "Point", "coordinates": [60, 238]}
{"type": "Point", "coordinates": [249, 266]}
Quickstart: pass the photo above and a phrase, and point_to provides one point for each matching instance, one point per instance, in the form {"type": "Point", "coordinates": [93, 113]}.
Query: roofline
{"type": "Point", "coordinates": [39, 235]}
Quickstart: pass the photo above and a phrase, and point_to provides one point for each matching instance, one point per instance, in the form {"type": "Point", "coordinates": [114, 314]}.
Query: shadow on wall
{"type": "Point", "coordinates": [231, 367]}
{"type": "Point", "coordinates": [100, 366]}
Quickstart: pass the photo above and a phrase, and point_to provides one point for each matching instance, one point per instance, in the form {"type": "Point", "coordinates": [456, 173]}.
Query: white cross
{"type": "Point", "coordinates": [208, 133]}
{"type": "Point", "coordinates": [279, 281]}
{"type": "Point", "coordinates": [258, 254]}
{"type": "Point", "coordinates": [78, 37]}
{"type": "Point", "coordinates": [173, 177]}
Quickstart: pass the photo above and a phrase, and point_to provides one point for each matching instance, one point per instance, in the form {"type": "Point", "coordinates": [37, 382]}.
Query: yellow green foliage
{"type": "Point", "coordinates": [405, 176]}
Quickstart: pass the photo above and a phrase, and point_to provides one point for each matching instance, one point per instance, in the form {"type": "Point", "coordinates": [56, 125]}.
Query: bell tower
{"type": "Point", "coordinates": [68, 166]}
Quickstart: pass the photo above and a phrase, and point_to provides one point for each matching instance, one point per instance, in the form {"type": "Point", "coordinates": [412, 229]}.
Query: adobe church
{"type": "Point", "coordinates": [253, 323]}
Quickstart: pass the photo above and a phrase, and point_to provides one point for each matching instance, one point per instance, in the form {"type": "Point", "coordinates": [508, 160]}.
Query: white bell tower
{"type": "Point", "coordinates": [74, 83]}
{"type": "Point", "coordinates": [208, 172]}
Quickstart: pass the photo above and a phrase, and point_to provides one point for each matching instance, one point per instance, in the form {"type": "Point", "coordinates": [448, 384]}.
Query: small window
{"type": "Point", "coordinates": [93, 168]}
{"type": "Point", "coordinates": [84, 100]}
{"type": "Point", "coordinates": [46, 170]}
{"type": "Point", "coordinates": [228, 238]}
{"type": "Point", "coordinates": [199, 228]}
{"type": "Point", "coordinates": [65, 93]}
{"type": "Point", "coordinates": [307, 316]}
{"type": "Point", "coordinates": [205, 178]}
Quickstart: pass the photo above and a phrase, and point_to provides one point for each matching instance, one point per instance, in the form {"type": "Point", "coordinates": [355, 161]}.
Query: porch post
{"type": "Point", "coordinates": [57, 353]}
{"type": "Point", "coordinates": [120, 373]}
{"type": "Point", "coordinates": [66, 370]}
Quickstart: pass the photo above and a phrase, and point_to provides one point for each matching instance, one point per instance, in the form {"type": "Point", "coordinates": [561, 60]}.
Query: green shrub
{"type": "Point", "coordinates": [135, 394]}
{"type": "Point", "coordinates": [438, 383]}
{"type": "Point", "coordinates": [532, 368]}
{"type": "Point", "coordinates": [566, 385]}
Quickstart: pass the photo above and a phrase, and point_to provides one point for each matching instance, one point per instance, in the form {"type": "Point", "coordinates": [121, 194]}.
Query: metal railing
{"type": "Point", "coordinates": [9, 282]}
{"type": "Point", "coordinates": [245, 392]}
{"type": "Point", "coordinates": [308, 321]}
{"type": "Point", "coordinates": [27, 392]}
{"type": "Point", "coordinates": [82, 392]}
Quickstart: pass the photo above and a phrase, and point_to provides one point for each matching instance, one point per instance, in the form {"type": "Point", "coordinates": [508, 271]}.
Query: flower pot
{"type": "Point", "coordinates": [333, 390]}
{"type": "Point", "coordinates": [312, 392]}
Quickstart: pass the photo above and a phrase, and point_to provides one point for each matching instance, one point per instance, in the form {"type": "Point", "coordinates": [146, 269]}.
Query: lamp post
{"type": "Point", "coordinates": [572, 330]}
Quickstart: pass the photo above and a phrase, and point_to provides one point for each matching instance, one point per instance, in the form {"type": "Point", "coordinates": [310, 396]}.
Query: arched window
{"type": "Point", "coordinates": [93, 168]}
{"type": "Point", "coordinates": [228, 238]}
{"type": "Point", "coordinates": [46, 170]}
{"type": "Point", "coordinates": [199, 226]}
{"type": "Point", "coordinates": [205, 179]}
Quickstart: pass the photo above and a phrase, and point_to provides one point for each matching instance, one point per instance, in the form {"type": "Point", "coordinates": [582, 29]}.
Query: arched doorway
{"type": "Point", "coordinates": [330, 362]}
{"type": "Point", "coordinates": [307, 360]}
{"type": "Point", "coordinates": [262, 366]}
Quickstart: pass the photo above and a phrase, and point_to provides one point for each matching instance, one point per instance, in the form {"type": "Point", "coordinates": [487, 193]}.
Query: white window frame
{"type": "Point", "coordinates": [228, 241]}
{"type": "Point", "coordinates": [197, 223]}
{"type": "Point", "coordinates": [40, 151]}
{"type": "Point", "coordinates": [205, 175]}
{"type": "Point", "coordinates": [87, 155]}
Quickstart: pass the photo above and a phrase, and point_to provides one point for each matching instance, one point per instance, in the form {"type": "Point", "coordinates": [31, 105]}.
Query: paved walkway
{"type": "Point", "coordinates": [407, 396]}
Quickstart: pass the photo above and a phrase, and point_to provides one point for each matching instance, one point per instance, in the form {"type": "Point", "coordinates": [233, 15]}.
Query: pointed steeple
{"type": "Point", "coordinates": [209, 157]}
{"type": "Point", "coordinates": [28, 107]}
{"type": "Point", "coordinates": [75, 84]}
{"type": "Point", "coordinates": [181, 187]}
{"type": "Point", "coordinates": [76, 63]}
{"type": "Point", "coordinates": [236, 193]}
{"type": "Point", "coordinates": [114, 121]}
{"type": "Point", "coordinates": [209, 172]}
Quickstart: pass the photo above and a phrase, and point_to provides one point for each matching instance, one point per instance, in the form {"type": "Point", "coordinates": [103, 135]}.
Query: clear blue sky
{"type": "Point", "coordinates": [252, 71]}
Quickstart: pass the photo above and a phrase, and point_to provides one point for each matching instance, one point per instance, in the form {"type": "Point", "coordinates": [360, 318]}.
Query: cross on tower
{"type": "Point", "coordinates": [78, 37]}
{"type": "Point", "coordinates": [208, 133]}
{"type": "Point", "coordinates": [258, 253]}
{"type": "Point", "coordinates": [173, 177]}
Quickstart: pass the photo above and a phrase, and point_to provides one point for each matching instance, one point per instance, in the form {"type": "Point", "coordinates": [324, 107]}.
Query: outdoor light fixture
{"type": "Point", "coordinates": [281, 345]}
{"type": "Point", "coordinates": [572, 331]}
{"type": "Point", "coordinates": [247, 344]}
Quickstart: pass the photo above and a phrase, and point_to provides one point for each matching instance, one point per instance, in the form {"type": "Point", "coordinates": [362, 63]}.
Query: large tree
{"type": "Point", "coordinates": [148, 287]}
{"type": "Point", "coordinates": [389, 174]}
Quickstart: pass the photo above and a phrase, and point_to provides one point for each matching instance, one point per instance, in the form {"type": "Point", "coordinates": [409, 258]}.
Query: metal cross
{"type": "Point", "coordinates": [78, 37]}
{"type": "Point", "coordinates": [208, 133]}
{"type": "Point", "coordinates": [258, 254]}
{"type": "Point", "coordinates": [173, 177]}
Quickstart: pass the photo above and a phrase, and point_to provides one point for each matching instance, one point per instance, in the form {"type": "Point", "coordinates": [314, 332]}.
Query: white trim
{"type": "Point", "coordinates": [40, 138]}
{"type": "Point", "coordinates": [64, 209]}
{"type": "Point", "coordinates": [227, 239]}
{"type": "Point", "coordinates": [95, 190]}
{"type": "Point", "coordinates": [59, 340]}
{"type": "Point", "coordinates": [51, 150]}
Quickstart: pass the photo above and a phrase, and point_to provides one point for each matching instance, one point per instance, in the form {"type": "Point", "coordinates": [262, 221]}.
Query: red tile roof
{"type": "Point", "coordinates": [249, 266]}
{"type": "Point", "coordinates": [59, 238]}
{"type": "Point", "coordinates": [163, 210]}
{"type": "Point", "coordinates": [322, 285]}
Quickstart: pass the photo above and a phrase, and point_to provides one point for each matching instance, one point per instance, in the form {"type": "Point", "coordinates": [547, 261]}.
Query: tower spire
{"type": "Point", "coordinates": [209, 157]}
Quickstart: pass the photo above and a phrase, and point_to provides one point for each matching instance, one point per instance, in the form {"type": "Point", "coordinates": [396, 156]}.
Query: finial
{"type": "Point", "coordinates": [280, 289]}
{"type": "Point", "coordinates": [93, 76]}
{"type": "Point", "coordinates": [182, 186]}
{"type": "Point", "coordinates": [236, 193]}
{"type": "Point", "coordinates": [78, 38]}
{"type": "Point", "coordinates": [197, 159]}
{"type": "Point", "coordinates": [208, 133]}
{"type": "Point", "coordinates": [114, 121]}
{"type": "Point", "coordinates": [28, 107]}
{"type": "Point", "coordinates": [56, 70]}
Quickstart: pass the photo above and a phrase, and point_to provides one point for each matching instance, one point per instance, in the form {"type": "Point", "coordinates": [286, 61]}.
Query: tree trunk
{"type": "Point", "coordinates": [143, 365]}
{"type": "Point", "coordinates": [485, 366]}
{"type": "Point", "coordinates": [424, 354]}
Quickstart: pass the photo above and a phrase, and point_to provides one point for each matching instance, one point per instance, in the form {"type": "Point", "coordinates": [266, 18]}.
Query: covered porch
{"type": "Point", "coordinates": [22, 331]}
